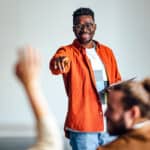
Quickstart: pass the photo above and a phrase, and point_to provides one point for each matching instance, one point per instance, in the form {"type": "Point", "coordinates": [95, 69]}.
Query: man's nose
{"type": "Point", "coordinates": [84, 28]}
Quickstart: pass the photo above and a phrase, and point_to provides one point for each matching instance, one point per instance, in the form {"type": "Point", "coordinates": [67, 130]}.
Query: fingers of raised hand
{"type": "Point", "coordinates": [29, 56]}
{"type": "Point", "coordinates": [29, 62]}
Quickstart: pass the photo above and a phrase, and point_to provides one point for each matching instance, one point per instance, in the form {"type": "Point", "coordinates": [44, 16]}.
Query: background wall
{"type": "Point", "coordinates": [46, 25]}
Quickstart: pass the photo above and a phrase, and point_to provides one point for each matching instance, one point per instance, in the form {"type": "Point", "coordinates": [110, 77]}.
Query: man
{"type": "Point", "coordinates": [27, 71]}
{"type": "Point", "coordinates": [128, 115]}
{"type": "Point", "coordinates": [87, 67]}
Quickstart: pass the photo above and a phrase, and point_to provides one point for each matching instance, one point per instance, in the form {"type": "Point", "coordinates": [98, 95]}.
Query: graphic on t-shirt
{"type": "Point", "coordinates": [100, 84]}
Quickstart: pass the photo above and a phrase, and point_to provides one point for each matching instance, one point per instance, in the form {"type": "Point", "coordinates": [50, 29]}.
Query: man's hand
{"type": "Point", "coordinates": [28, 65]}
{"type": "Point", "coordinates": [61, 63]}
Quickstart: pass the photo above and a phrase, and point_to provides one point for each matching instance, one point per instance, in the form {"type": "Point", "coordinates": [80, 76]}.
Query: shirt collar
{"type": "Point", "coordinates": [141, 124]}
{"type": "Point", "coordinates": [80, 47]}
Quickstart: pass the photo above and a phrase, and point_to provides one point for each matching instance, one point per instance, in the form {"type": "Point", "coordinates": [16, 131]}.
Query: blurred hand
{"type": "Point", "coordinates": [61, 63]}
{"type": "Point", "coordinates": [28, 65]}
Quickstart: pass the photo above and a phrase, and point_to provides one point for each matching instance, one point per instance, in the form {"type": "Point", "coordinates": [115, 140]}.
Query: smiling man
{"type": "Point", "coordinates": [87, 67]}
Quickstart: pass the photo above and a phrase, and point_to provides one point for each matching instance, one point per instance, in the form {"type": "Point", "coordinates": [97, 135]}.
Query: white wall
{"type": "Point", "coordinates": [123, 25]}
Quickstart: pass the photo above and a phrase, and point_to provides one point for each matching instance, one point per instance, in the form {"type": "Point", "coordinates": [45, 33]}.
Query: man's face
{"type": "Point", "coordinates": [84, 28]}
{"type": "Point", "coordinates": [115, 114]}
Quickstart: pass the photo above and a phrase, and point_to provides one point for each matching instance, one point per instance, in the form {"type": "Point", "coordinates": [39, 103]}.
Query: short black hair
{"type": "Point", "coordinates": [82, 11]}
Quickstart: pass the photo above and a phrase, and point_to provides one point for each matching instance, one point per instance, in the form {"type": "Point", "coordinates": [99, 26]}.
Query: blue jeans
{"type": "Point", "coordinates": [88, 141]}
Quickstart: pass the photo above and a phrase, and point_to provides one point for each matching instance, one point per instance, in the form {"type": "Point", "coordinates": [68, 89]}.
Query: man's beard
{"type": "Point", "coordinates": [117, 128]}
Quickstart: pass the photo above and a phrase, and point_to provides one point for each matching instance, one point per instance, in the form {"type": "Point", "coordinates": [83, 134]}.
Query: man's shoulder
{"type": "Point", "coordinates": [66, 49]}
{"type": "Point", "coordinates": [104, 46]}
{"type": "Point", "coordinates": [119, 143]}
{"type": "Point", "coordinates": [66, 46]}
{"type": "Point", "coordinates": [128, 141]}
{"type": "Point", "coordinates": [104, 49]}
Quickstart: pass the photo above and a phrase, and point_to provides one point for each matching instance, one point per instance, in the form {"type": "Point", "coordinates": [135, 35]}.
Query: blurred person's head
{"type": "Point", "coordinates": [128, 104]}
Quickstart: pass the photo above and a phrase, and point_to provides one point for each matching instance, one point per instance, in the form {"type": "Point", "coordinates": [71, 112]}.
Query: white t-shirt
{"type": "Point", "coordinates": [100, 76]}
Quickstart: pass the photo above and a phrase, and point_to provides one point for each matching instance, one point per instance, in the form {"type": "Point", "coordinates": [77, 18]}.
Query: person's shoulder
{"type": "Point", "coordinates": [103, 49]}
{"type": "Point", "coordinates": [65, 47]}
{"type": "Point", "coordinates": [119, 144]}
{"type": "Point", "coordinates": [103, 46]}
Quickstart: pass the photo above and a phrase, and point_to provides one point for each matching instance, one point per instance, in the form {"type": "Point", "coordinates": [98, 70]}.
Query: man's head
{"type": "Point", "coordinates": [128, 104]}
{"type": "Point", "coordinates": [84, 25]}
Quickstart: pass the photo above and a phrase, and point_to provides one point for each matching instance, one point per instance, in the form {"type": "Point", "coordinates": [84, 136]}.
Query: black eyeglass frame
{"type": "Point", "coordinates": [88, 26]}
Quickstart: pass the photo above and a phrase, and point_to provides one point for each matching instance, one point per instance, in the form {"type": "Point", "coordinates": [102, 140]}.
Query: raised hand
{"type": "Point", "coordinates": [28, 65]}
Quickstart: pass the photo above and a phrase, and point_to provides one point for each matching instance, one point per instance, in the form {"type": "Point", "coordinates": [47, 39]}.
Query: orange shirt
{"type": "Point", "coordinates": [85, 111]}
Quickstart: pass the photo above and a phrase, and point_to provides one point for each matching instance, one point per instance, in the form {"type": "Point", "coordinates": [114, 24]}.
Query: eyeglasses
{"type": "Point", "coordinates": [88, 26]}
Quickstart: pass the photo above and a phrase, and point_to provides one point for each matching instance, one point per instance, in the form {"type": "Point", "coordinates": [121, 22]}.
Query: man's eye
{"type": "Point", "coordinates": [89, 25]}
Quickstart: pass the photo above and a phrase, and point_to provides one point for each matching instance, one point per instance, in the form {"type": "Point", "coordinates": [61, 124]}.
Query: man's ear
{"type": "Point", "coordinates": [135, 112]}
{"type": "Point", "coordinates": [132, 115]}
